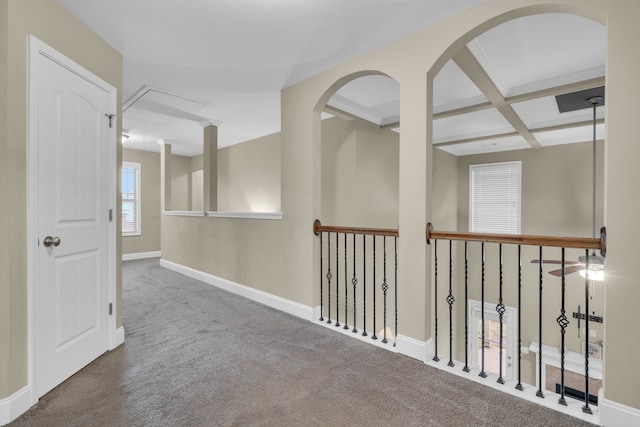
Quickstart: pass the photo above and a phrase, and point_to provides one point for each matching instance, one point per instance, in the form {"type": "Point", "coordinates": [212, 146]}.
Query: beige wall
{"type": "Point", "coordinates": [7, 341]}
{"type": "Point", "coordinates": [413, 61]}
{"type": "Point", "coordinates": [249, 176]}
{"type": "Point", "coordinates": [180, 183]}
{"type": "Point", "coordinates": [49, 22]}
{"type": "Point", "coordinates": [359, 174]}
{"type": "Point", "coordinates": [557, 188]}
{"type": "Point", "coordinates": [149, 240]}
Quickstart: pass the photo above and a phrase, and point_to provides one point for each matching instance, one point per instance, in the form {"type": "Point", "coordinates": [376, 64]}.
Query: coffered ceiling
{"type": "Point", "coordinates": [225, 60]}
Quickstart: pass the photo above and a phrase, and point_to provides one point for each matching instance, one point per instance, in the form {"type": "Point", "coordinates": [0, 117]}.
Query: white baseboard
{"type": "Point", "coordinates": [118, 338]}
{"type": "Point", "coordinates": [140, 255]}
{"type": "Point", "coordinates": [299, 310]}
{"type": "Point", "coordinates": [412, 347]}
{"type": "Point", "coordinates": [613, 414]}
{"type": "Point", "coordinates": [15, 405]}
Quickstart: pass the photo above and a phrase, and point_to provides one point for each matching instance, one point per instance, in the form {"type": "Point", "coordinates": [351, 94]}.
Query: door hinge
{"type": "Point", "coordinates": [110, 215]}
{"type": "Point", "coordinates": [110, 308]}
{"type": "Point", "coordinates": [110, 117]}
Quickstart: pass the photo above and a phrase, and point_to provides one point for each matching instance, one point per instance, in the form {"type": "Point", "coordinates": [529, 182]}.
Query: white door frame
{"type": "Point", "coordinates": [39, 48]}
{"type": "Point", "coordinates": [510, 318]}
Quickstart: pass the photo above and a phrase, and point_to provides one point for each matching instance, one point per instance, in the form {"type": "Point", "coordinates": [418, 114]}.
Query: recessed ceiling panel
{"type": "Point", "coordinates": [453, 89]}
{"type": "Point", "coordinates": [543, 112]}
{"type": "Point", "coordinates": [542, 51]}
{"type": "Point", "coordinates": [373, 98]}
{"type": "Point", "coordinates": [488, 146]}
{"type": "Point", "coordinates": [570, 135]}
{"type": "Point", "coordinates": [470, 125]}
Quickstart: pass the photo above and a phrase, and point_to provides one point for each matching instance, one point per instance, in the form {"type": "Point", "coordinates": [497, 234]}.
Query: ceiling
{"type": "Point", "coordinates": [225, 62]}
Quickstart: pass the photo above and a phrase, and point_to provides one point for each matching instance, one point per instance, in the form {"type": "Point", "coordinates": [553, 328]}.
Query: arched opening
{"type": "Point", "coordinates": [359, 179]}
{"type": "Point", "coordinates": [498, 98]}
{"type": "Point", "coordinates": [359, 145]}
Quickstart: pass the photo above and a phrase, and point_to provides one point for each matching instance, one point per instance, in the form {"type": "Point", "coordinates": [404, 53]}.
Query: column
{"type": "Point", "coordinates": [210, 165]}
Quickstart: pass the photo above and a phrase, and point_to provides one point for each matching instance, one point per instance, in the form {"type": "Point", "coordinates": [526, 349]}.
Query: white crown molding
{"type": "Point", "coordinates": [210, 122]}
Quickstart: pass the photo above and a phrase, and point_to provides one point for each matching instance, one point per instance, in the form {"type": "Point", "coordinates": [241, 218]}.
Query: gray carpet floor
{"type": "Point", "coordinates": [198, 356]}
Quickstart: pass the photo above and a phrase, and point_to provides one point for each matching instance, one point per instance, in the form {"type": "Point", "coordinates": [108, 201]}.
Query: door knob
{"type": "Point", "coordinates": [51, 241]}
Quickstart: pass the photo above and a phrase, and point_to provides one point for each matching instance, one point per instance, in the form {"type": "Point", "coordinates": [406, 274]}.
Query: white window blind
{"type": "Point", "coordinates": [494, 198]}
{"type": "Point", "coordinates": [131, 199]}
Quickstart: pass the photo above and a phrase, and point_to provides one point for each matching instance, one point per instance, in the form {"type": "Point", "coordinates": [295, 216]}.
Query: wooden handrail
{"type": "Point", "coordinates": [319, 228]}
{"type": "Point", "coordinates": [519, 239]}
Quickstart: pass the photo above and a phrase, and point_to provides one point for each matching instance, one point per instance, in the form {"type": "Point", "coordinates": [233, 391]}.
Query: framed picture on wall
{"type": "Point", "coordinates": [594, 349]}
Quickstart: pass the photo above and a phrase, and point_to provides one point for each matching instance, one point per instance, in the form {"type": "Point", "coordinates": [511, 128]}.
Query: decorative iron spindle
{"type": "Point", "coordinates": [374, 337]}
{"type": "Point", "coordinates": [321, 278]}
{"type": "Point", "coordinates": [385, 287]}
{"type": "Point", "coordinates": [466, 307]}
{"type": "Point", "coordinates": [395, 289]}
{"type": "Point", "coordinates": [346, 287]}
{"type": "Point", "coordinates": [435, 297]}
{"type": "Point", "coordinates": [337, 280]}
{"type": "Point", "coordinates": [563, 322]}
{"type": "Point", "coordinates": [539, 393]}
{"type": "Point", "coordinates": [354, 282]}
{"type": "Point", "coordinates": [329, 276]}
{"type": "Point", "coordinates": [483, 374]}
{"type": "Point", "coordinates": [519, 385]}
{"type": "Point", "coordinates": [364, 285]}
{"type": "Point", "coordinates": [586, 409]}
{"type": "Point", "coordinates": [500, 308]}
{"type": "Point", "coordinates": [450, 301]}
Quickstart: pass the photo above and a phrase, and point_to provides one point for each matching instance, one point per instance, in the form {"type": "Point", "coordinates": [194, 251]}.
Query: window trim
{"type": "Point", "coordinates": [517, 163]}
{"type": "Point", "coordinates": [138, 199]}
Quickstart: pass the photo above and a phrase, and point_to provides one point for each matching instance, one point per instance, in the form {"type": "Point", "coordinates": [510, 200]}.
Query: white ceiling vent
{"type": "Point", "coordinates": [161, 107]}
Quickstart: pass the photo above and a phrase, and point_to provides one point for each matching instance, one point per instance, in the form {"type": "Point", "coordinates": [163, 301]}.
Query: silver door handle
{"type": "Point", "coordinates": [51, 241]}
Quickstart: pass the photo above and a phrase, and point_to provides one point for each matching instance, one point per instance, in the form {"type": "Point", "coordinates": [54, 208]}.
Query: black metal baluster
{"type": "Point", "coordinates": [450, 301]}
{"type": "Point", "coordinates": [329, 276]}
{"type": "Point", "coordinates": [354, 281]}
{"type": "Point", "coordinates": [586, 409]}
{"type": "Point", "coordinates": [346, 287]}
{"type": "Point", "coordinates": [483, 374]}
{"type": "Point", "coordinates": [466, 307]}
{"type": "Point", "coordinates": [539, 393]}
{"type": "Point", "coordinates": [519, 385]}
{"type": "Point", "coordinates": [563, 322]}
{"type": "Point", "coordinates": [374, 337]}
{"type": "Point", "coordinates": [337, 280]}
{"type": "Point", "coordinates": [435, 298]}
{"type": "Point", "coordinates": [395, 287]}
{"type": "Point", "coordinates": [321, 278]}
{"type": "Point", "coordinates": [500, 308]}
{"type": "Point", "coordinates": [385, 287]}
{"type": "Point", "coordinates": [364, 285]}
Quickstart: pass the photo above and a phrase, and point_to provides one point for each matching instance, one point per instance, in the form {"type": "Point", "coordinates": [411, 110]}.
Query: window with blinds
{"type": "Point", "coordinates": [494, 198]}
{"type": "Point", "coordinates": [130, 199]}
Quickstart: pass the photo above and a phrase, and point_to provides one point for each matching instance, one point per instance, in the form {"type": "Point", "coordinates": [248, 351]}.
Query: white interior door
{"type": "Point", "coordinates": [72, 259]}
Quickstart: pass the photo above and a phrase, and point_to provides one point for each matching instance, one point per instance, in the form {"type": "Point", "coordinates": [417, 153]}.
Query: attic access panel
{"type": "Point", "coordinates": [579, 100]}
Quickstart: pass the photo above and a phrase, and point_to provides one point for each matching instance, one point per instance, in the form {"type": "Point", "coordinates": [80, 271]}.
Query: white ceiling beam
{"type": "Point", "coordinates": [472, 68]}
{"type": "Point", "coordinates": [509, 134]}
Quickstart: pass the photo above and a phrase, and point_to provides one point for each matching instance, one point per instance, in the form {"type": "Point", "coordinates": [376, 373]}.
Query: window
{"type": "Point", "coordinates": [131, 199]}
{"type": "Point", "coordinates": [494, 198]}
